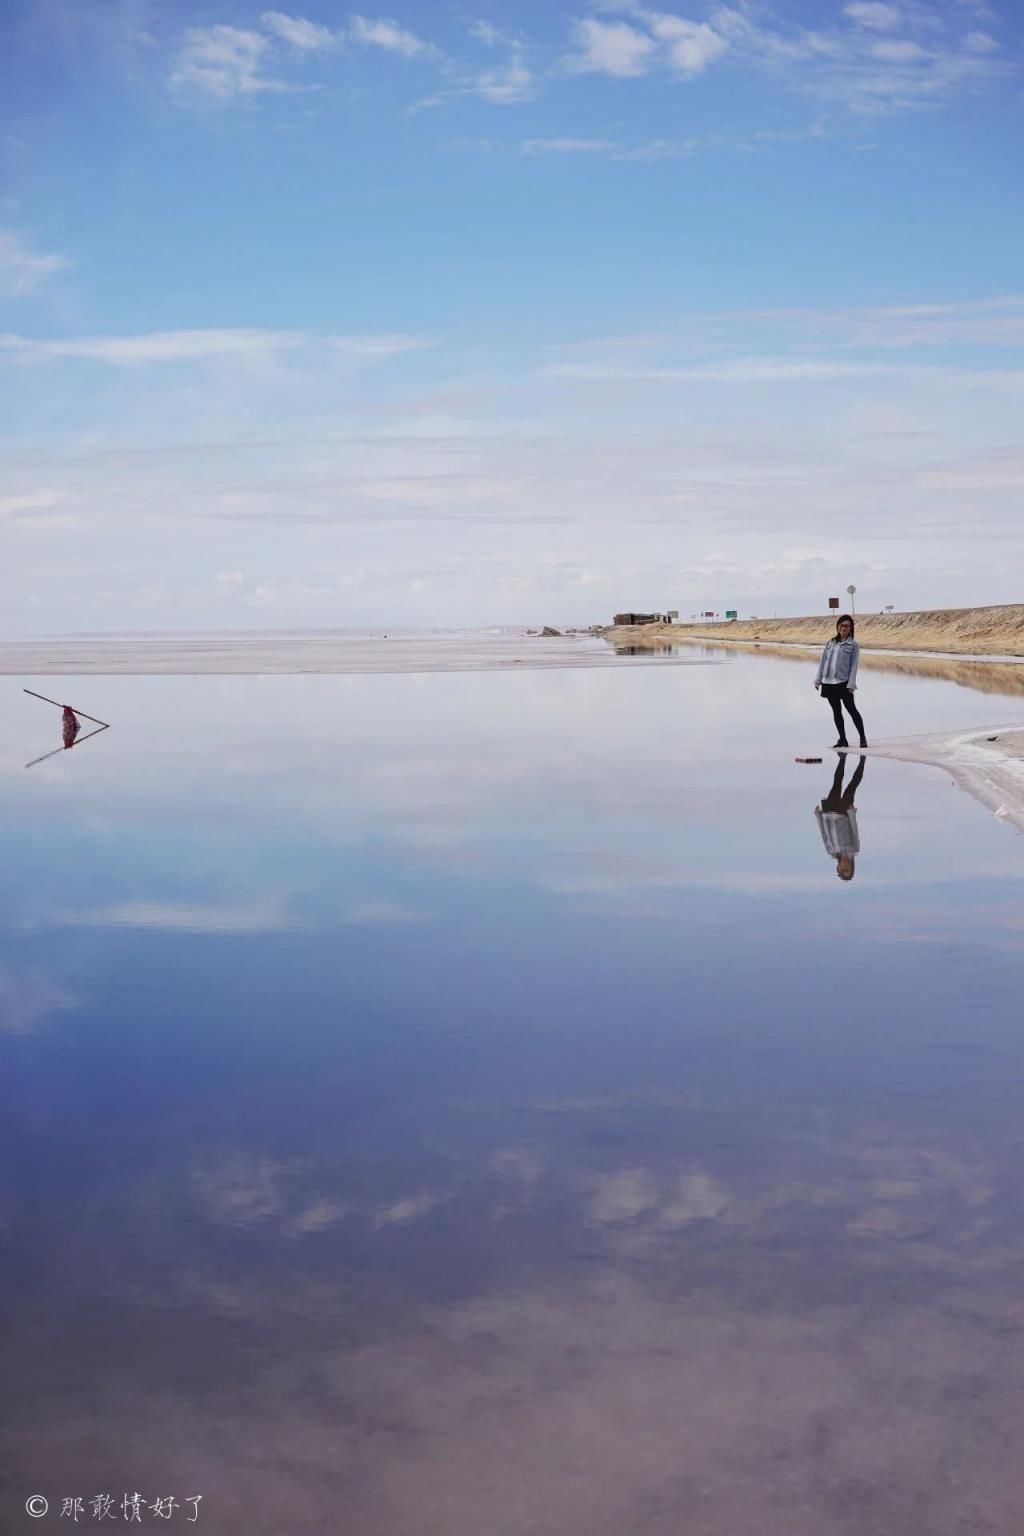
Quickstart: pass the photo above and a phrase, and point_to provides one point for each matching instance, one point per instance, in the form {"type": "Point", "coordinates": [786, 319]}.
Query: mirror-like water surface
{"type": "Point", "coordinates": [464, 1104]}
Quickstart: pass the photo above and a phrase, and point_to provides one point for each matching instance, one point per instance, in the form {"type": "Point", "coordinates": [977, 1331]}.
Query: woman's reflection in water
{"type": "Point", "coordinates": [837, 819]}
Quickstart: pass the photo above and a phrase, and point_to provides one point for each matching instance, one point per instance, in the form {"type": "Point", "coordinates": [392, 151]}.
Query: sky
{"type": "Point", "coordinates": [506, 311]}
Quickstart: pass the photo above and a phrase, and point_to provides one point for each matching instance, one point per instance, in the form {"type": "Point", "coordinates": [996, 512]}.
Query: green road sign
{"type": "Point", "coordinates": [730, 613]}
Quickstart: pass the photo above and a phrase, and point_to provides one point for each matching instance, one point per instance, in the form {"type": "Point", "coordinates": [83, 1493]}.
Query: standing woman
{"type": "Point", "coordinates": [837, 678]}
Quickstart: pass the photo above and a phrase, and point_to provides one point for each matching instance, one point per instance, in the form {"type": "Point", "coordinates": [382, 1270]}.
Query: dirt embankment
{"type": "Point", "coordinates": [1002, 677]}
{"type": "Point", "coordinates": [995, 631]}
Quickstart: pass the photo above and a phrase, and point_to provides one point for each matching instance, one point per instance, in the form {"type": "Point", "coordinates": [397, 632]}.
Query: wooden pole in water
{"type": "Point", "coordinates": [77, 743]}
{"type": "Point", "coordinates": [69, 706]}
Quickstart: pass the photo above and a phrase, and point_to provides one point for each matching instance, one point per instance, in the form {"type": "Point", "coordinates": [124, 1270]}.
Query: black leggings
{"type": "Point", "coordinates": [838, 694]}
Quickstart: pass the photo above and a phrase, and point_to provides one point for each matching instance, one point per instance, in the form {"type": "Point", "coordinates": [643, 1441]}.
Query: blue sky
{"type": "Point", "coordinates": [506, 312]}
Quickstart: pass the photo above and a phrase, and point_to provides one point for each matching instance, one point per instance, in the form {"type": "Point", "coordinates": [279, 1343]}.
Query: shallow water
{"type": "Point", "coordinates": [471, 1103]}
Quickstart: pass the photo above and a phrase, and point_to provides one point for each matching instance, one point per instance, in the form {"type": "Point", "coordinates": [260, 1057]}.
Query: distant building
{"type": "Point", "coordinates": [645, 618]}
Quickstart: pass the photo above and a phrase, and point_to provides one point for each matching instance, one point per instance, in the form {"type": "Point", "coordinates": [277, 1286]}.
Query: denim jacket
{"type": "Point", "coordinates": [838, 663]}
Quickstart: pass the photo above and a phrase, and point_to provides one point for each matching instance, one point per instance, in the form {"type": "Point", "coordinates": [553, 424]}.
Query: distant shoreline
{"type": "Point", "coordinates": [313, 652]}
{"type": "Point", "coordinates": [995, 632]}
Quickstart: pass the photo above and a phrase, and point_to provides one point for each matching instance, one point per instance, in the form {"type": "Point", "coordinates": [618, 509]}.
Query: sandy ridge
{"type": "Point", "coordinates": [990, 631]}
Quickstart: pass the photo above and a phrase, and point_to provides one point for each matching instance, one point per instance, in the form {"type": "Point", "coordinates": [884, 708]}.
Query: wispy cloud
{"type": "Point", "coordinates": [22, 267]}
{"type": "Point", "coordinates": [306, 36]}
{"type": "Point", "coordinates": [691, 45]}
{"type": "Point", "coordinates": [652, 150]}
{"type": "Point", "coordinates": [381, 32]}
{"type": "Point", "coordinates": [661, 149]}
{"type": "Point", "coordinates": [566, 146]}
{"type": "Point", "coordinates": [178, 917]}
{"type": "Point", "coordinates": [749, 370]}
{"type": "Point", "coordinates": [997, 321]}
{"type": "Point", "coordinates": [223, 61]}
{"type": "Point", "coordinates": [228, 62]}
{"type": "Point", "coordinates": [781, 370]}
{"type": "Point", "coordinates": [397, 345]}
{"type": "Point", "coordinates": [156, 346]}
{"type": "Point", "coordinates": [210, 346]}
{"type": "Point", "coordinates": [881, 57]}
{"type": "Point", "coordinates": [493, 36]}
{"type": "Point", "coordinates": [505, 86]}
{"type": "Point", "coordinates": [610, 48]}
{"type": "Point", "coordinates": [502, 85]}
{"type": "Point", "coordinates": [30, 505]}
{"type": "Point", "coordinates": [874, 15]}
{"type": "Point", "coordinates": [622, 49]}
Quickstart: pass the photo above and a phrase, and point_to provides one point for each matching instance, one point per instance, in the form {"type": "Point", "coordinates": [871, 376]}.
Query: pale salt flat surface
{"type": "Point", "coordinates": [316, 651]}
{"type": "Point", "coordinates": [988, 763]}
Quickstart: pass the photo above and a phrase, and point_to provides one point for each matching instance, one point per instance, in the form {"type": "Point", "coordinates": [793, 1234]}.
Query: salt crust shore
{"type": "Point", "coordinates": [988, 764]}
{"type": "Point", "coordinates": [295, 653]}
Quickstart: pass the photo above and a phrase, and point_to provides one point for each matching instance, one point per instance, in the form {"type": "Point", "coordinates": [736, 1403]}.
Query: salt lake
{"type": "Point", "coordinates": [467, 1102]}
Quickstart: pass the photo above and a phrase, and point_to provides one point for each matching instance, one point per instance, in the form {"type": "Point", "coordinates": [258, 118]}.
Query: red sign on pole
{"type": "Point", "coordinates": [833, 602]}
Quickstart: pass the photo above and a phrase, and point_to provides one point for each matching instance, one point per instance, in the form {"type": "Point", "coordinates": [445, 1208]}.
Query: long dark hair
{"type": "Point", "coordinates": [848, 617]}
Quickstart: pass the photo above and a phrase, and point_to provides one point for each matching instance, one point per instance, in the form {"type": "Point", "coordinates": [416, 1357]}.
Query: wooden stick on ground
{"type": "Point", "coordinates": [68, 706]}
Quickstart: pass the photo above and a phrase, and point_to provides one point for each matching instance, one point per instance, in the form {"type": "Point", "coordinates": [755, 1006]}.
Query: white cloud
{"type": "Point", "coordinates": [867, 75]}
{"type": "Point", "coordinates": [611, 48]}
{"type": "Point", "coordinates": [785, 370]}
{"type": "Point", "coordinates": [493, 36]}
{"type": "Point", "coordinates": [661, 149]}
{"type": "Point", "coordinates": [980, 42]}
{"type": "Point", "coordinates": [897, 50]}
{"type": "Point", "coordinates": [692, 45]}
{"type": "Point", "coordinates": [566, 146]}
{"type": "Point", "coordinates": [178, 917]}
{"type": "Point", "coordinates": [506, 86]}
{"type": "Point", "coordinates": [21, 267]}
{"type": "Point", "coordinates": [223, 61]}
{"type": "Point", "coordinates": [206, 345]}
{"type": "Point", "coordinates": [874, 15]}
{"type": "Point", "coordinates": [380, 32]}
{"type": "Point", "coordinates": [976, 322]}
{"type": "Point", "coordinates": [30, 504]}
{"type": "Point", "coordinates": [380, 346]}
{"type": "Point", "coordinates": [750, 370]}
{"type": "Point", "coordinates": [306, 36]}
{"type": "Point", "coordinates": [401, 1211]}
{"type": "Point", "coordinates": [157, 346]}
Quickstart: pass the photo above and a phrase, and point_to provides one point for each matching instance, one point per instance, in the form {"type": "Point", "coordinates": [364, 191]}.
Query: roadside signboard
{"type": "Point", "coordinates": [730, 613]}
{"type": "Point", "coordinates": [833, 602]}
